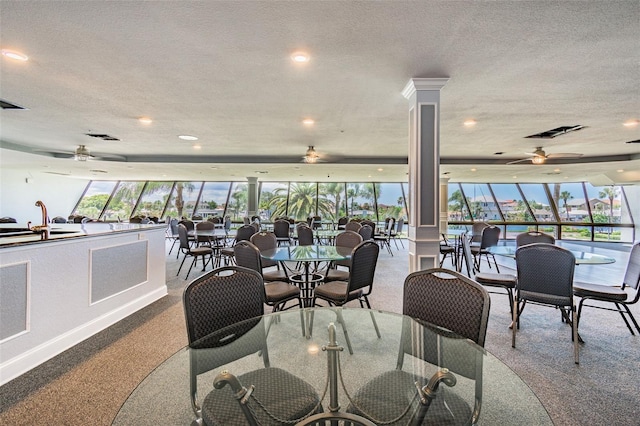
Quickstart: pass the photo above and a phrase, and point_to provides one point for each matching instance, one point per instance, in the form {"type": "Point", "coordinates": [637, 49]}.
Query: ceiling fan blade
{"type": "Point", "coordinates": [519, 161]}
{"type": "Point", "coordinates": [565, 155]}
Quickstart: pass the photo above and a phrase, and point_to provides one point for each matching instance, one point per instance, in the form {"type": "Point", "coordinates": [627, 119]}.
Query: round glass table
{"type": "Point", "coordinates": [164, 396]}
{"type": "Point", "coordinates": [582, 257]}
{"type": "Point", "coordinates": [306, 255]}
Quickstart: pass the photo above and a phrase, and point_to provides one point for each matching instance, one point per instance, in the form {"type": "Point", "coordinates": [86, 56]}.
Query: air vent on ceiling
{"type": "Point", "coordinates": [102, 136]}
{"type": "Point", "coordinates": [636, 141]}
{"type": "Point", "coordinates": [98, 171]}
{"type": "Point", "coordinates": [8, 105]}
{"type": "Point", "coordinates": [563, 130]}
{"type": "Point", "coordinates": [59, 173]}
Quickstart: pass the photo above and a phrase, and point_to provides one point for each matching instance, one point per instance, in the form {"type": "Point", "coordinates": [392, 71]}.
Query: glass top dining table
{"type": "Point", "coordinates": [163, 396]}
{"type": "Point", "coordinates": [582, 257]}
{"type": "Point", "coordinates": [308, 278]}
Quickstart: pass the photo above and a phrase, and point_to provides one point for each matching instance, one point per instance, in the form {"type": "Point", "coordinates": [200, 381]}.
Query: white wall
{"type": "Point", "coordinates": [18, 198]}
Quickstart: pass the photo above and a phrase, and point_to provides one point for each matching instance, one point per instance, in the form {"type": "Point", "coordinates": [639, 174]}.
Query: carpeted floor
{"type": "Point", "coordinates": [89, 383]}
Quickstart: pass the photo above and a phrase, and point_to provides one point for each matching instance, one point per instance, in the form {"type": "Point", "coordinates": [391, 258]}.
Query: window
{"type": "Point", "coordinates": [94, 199]}
{"type": "Point", "coordinates": [183, 199]}
{"type": "Point", "coordinates": [360, 202]}
{"type": "Point", "coordinates": [237, 207]}
{"type": "Point", "coordinates": [510, 202]}
{"type": "Point", "coordinates": [390, 201]}
{"type": "Point", "coordinates": [123, 202]}
{"type": "Point", "coordinates": [153, 199]}
{"type": "Point", "coordinates": [335, 199]}
{"type": "Point", "coordinates": [213, 199]}
{"type": "Point", "coordinates": [272, 202]}
{"type": "Point", "coordinates": [480, 202]}
{"type": "Point", "coordinates": [538, 201]}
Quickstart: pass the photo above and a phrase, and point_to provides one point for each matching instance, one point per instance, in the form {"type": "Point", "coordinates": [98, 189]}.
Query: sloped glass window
{"type": "Point", "coordinates": [95, 199]}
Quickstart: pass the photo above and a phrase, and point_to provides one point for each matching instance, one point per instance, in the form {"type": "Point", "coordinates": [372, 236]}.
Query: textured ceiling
{"type": "Point", "coordinates": [221, 70]}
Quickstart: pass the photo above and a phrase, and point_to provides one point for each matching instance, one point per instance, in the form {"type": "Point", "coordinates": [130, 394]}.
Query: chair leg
{"type": "Point", "coordinates": [182, 263]}
{"type": "Point", "coordinates": [574, 326]}
{"type": "Point", "coordinates": [514, 324]}
{"type": "Point", "coordinates": [344, 330]}
{"type": "Point", "coordinates": [631, 317]}
{"type": "Point", "coordinates": [195, 259]}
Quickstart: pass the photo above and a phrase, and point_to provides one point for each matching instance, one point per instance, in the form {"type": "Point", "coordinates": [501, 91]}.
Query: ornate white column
{"type": "Point", "coordinates": [424, 171]}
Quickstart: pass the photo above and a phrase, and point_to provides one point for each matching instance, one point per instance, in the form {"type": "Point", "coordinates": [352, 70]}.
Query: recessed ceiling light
{"type": "Point", "coordinates": [308, 121]}
{"type": "Point", "coordinates": [631, 123]}
{"type": "Point", "coordinates": [474, 169]}
{"type": "Point", "coordinates": [15, 55]}
{"type": "Point", "coordinates": [620, 170]}
{"type": "Point", "coordinates": [300, 57]}
{"type": "Point", "coordinates": [515, 177]}
{"type": "Point", "coordinates": [380, 169]}
{"type": "Point", "coordinates": [145, 120]}
{"type": "Point", "coordinates": [197, 147]}
{"type": "Point", "coordinates": [188, 138]}
{"type": "Point", "coordinates": [469, 123]}
{"type": "Point", "coordinates": [556, 170]}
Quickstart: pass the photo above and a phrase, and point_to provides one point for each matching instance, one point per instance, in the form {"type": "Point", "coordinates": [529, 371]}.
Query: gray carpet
{"type": "Point", "coordinates": [90, 383]}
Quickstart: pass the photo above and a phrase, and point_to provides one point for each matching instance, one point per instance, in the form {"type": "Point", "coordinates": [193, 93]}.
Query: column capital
{"type": "Point", "coordinates": [416, 84]}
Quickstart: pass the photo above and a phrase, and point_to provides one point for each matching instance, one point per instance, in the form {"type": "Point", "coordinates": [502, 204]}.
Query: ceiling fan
{"type": "Point", "coordinates": [311, 156]}
{"type": "Point", "coordinates": [540, 157]}
{"type": "Point", "coordinates": [82, 153]}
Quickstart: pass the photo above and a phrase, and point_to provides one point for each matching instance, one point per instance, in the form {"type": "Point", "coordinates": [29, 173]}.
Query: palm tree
{"type": "Point", "coordinates": [611, 193]}
{"type": "Point", "coordinates": [456, 202]}
{"type": "Point", "coordinates": [335, 190]}
{"type": "Point", "coordinates": [178, 201]}
{"type": "Point", "coordinates": [239, 196]}
{"type": "Point", "coordinates": [565, 196]}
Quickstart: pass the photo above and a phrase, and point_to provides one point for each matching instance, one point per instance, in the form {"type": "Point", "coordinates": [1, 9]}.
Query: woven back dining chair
{"type": "Point", "coordinates": [223, 310]}
{"type": "Point", "coordinates": [532, 237]}
{"type": "Point", "coordinates": [617, 295]}
{"type": "Point", "coordinates": [545, 277]}
{"type": "Point", "coordinates": [359, 286]}
{"type": "Point", "coordinates": [452, 310]}
{"type": "Point", "coordinates": [269, 241]}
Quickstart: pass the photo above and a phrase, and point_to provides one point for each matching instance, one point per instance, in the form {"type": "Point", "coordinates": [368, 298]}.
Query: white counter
{"type": "Point", "coordinates": [56, 293]}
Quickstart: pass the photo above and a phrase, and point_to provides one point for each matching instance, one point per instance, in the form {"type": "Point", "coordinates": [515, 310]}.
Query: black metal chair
{"type": "Point", "coordinates": [352, 225]}
{"type": "Point", "coordinates": [277, 293]}
{"type": "Point", "coordinates": [545, 277]}
{"type": "Point", "coordinates": [223, 310]}
{"type": "Point", "coordinates": [498, 280]}
{"type": "Point", "coordinates": [282, 231]}
{"type": "Point", "coordinates": [448, 249]}
{"type": "Point", "coordinates": [532, 237]}
{"type": "Point", "coordinates": [268, 241]}
{"type": "Point", "coordinates": [490, 238]}
{"type": "Point", "coordinates": [452, 308]}
{"type": "Point", "coordinates": [172, 234]}
{"type": "Point", "coordinates": [195, 252]}
{"type": "Point", "coordinates": [342, 222]}
{"type": "Point", "coordinates": [616, 295]}
{"type": "Point", "coordinates": [384, 238]}
{"type": "Point", "coordinates": [304, 235]}
{"type": "Point", "coordinates": [243, 233]}
{"type": "Point", "coordinates": [334, 272]}
{"type": "Point", "coordinates": [397, 233]}
{"type": "Point", "coordinates": [364, 258]}
{"type": "Point", "coordinates": [366, 231]}
{"type": "Point", "coordinates": [59, 219]}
